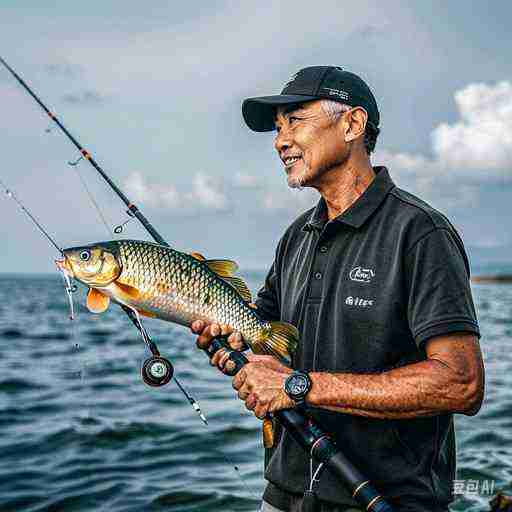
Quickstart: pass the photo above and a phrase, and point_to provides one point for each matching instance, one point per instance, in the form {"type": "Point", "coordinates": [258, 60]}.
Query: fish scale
{"type": "Point", "coordinates": [186, 281]}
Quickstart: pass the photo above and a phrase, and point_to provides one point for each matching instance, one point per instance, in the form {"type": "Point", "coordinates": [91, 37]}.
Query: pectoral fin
{"type": "Point", "coordinates": [128, 291]}
{"type": "Point", "coordinates": [149, 314]}
{"type": "Point", "coordinates": [96, 301]}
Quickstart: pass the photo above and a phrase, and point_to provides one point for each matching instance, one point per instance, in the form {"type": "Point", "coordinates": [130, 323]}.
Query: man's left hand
{"type": "Point", "coordinates": [260, 384]}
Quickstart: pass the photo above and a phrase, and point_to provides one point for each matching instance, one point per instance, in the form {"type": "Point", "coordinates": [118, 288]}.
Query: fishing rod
{"type": "Point", "coordinates": [132, 211]}
{"type": "Point", "coordinates": [313, 439]}
{"type": "Point", "coordinates": [306, 432]}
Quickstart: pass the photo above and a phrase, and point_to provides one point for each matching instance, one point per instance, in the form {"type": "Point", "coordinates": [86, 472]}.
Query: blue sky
{"type": "Point", "coordinates": [154, 89]}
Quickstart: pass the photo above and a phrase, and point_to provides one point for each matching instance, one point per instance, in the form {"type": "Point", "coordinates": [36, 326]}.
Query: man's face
{"type": "Point", "coordinates": [308, 142]}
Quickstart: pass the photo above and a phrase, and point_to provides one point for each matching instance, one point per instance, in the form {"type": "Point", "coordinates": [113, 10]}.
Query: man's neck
{"type": "Point", "coordinates": [344, 185]}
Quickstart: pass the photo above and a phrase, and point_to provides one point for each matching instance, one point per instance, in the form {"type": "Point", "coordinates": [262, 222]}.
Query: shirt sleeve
{"type": "Point", "coordinates": [438, 288]}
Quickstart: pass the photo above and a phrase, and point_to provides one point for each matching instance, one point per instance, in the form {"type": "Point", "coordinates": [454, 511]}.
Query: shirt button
{"type": "Point", "coordinates": [323, 248]}
{"type": "Point", "coordinates": [318, 275]}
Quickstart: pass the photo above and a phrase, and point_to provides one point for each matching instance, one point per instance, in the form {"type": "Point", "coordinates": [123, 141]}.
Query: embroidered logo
{"type": "Point", "coordinates": [359, 302]}
{"type": "Point", "coordinates": [362, 275]}
{"type": "Point", "coordinates": [337, 92]}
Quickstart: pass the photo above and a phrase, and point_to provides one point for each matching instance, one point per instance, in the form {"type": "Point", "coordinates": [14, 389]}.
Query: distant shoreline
{"type": "Point", "coordinates": [499, 278]}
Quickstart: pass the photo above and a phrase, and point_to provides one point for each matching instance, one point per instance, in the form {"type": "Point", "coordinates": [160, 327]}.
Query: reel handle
{"type": "Point", "coordinates": [236, 359]}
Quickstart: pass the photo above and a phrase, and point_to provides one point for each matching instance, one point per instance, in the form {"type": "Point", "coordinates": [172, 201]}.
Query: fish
{"type": "Point", "coordinates": [160, 282]}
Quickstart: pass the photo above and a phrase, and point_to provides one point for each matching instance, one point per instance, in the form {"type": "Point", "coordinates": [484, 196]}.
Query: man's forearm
{"type": "Point", "coordinates": [426, 388]}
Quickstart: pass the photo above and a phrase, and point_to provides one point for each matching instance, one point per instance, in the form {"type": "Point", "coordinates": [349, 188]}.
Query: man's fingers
{"type": "Point", "coordinates": [206, 336]}
{"type": "Point", "coordinates": [236, 341]}
{"type": "Point", "coordinates": [197, 326]}
{"type": "Point", "coordinates": [250, 402]}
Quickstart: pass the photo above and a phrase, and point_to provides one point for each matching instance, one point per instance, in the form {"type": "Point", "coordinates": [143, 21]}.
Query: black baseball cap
{"type": "Point", "coordinates": [308, 84]}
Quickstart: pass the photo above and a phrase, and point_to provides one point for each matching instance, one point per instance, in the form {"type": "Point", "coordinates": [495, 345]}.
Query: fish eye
{"type": "Point", "coordinates": [85, 255]}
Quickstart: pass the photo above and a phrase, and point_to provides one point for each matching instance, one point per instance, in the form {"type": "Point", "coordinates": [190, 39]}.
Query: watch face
{"type": "Point", "coordinates": [297, 386]}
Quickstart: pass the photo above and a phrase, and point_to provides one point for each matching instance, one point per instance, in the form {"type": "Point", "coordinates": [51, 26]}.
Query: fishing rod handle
{"type": "Point", "coordinates": [236, 360]}
{"type": "Point", "coordinates": [313, 439]}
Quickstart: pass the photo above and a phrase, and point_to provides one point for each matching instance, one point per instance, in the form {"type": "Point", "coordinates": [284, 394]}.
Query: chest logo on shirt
{"type": "Point", "coordinates": [362, 275]}
{"type": "Point", "coordinates": [358, 301]}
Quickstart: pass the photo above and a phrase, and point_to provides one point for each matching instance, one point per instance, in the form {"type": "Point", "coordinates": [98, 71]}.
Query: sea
{"type": "Point", "coordinates": [80, 431]}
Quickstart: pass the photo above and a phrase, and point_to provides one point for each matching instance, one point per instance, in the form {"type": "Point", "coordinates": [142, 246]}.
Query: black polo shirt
{"type": "Point", "coordinates": [366, 290]}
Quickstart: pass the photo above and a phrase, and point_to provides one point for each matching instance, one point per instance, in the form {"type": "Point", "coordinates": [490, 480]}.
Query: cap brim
{"type": "Point", "coordinates": [259, 112]}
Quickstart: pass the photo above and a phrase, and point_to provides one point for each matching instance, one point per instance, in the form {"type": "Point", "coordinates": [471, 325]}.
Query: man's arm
{"type": "Point", "coordinates": [451, 379]}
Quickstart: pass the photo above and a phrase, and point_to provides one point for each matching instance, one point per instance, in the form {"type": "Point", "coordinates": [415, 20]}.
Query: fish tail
{"type": "Point", "coordinates": [281, 342]}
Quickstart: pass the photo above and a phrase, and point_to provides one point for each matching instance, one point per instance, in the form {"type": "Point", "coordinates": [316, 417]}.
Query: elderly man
{"type": "Point", "coordinates": [377, 282]}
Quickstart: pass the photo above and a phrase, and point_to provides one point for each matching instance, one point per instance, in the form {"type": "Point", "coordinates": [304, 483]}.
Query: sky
{"type": "Point", "coordinates": [153, 90]}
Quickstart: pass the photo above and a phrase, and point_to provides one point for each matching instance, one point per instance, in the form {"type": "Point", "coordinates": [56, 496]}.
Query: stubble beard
{"type": "Point", "coordinates": [299, 181]}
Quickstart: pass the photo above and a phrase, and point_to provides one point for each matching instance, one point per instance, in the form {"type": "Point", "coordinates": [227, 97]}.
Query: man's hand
{"type": "Point", "coordinates": [260, 384]}
{"type": "Point", "coordinates": [209, 331]}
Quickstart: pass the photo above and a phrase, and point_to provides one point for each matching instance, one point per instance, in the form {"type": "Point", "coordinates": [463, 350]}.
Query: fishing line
{"type": "Point", "coordinates": [91, 198]}
{"type": "Point", "coordinates": [13, 196]}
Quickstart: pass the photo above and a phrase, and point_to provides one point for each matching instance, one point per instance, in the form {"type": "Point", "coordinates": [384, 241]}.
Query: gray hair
{"type": "Point", "coordinates": [334, 110]}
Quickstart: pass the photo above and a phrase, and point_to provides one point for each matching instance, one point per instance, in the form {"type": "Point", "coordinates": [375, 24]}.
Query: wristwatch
{"type": "Point", "coordinates": [297, 385]}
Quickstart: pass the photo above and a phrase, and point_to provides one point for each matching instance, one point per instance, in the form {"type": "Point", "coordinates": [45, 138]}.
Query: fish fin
{"type": "Point", "coordinates": [149, 314]}
{"type": "Point", "coordinates": [223, 268]}
{"type": "Point", "coordinates": [97, 302]}
{"type": "Point", "coordinates": [197, 256]}
{"type": "Point", "coordinates": [128, 290]}
{"type": "Point", "coordinates": [240, 286]}
{"type": "Point", "coordinates": [281, 342]}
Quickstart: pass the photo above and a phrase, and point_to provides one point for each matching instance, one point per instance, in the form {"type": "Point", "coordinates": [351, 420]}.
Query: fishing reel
{"type": "Point", "coordinates": [157, 371]}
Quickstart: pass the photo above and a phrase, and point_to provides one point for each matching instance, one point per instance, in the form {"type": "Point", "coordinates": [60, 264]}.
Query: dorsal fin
{"type": "Point", "coordinates": [240, 286]}
{"type": "Point", "coordinates": [96, 301]}
{"type": "Point", "coordinates": [197, 256]}
{"type": "Point", "coordinates": [223, 268]}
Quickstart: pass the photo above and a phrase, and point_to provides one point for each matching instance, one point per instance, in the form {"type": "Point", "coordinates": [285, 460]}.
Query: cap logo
{"type": "Point", "coordinates": [336, 92]}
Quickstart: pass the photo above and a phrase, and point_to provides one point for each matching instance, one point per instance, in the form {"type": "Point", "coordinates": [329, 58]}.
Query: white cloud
{"type": "Point", "coordinates": [205, 194]}
{"type": "Point", "coordinates": [482, 139]}
{"type": "Point", "coordinates": [249, 181]}
{"type": "Point", "coordinates": [475, 150]}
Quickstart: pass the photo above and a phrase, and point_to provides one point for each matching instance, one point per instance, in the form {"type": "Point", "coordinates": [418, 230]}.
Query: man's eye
{"type": "Point", "coordinates": [291, 119]}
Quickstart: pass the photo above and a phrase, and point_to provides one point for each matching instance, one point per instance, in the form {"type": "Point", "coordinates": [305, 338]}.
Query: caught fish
{"type": "Point", "coordinates": [160, 282]}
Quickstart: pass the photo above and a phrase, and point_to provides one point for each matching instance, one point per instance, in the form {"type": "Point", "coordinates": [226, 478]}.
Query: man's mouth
{"type": "Point", "coordinates": [290, 160]}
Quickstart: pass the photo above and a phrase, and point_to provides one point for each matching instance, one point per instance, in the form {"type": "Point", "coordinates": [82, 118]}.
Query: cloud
{"type": "Point", "coordinates": [87, 98]}
{"type": "Point", "coordinates": [248, 181]}
{"type": "Point", "coordinates": [64, 69]}
{"type": "Point", "coordinates": [482, 139]}
{"type": "Point", "coordinates": [205, 193]}
{"type": "Point", "coordinates": [475, 150]}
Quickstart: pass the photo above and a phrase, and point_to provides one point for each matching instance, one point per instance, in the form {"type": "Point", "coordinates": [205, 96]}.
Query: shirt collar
{"type": "Point", "coordinates": [357, 214]}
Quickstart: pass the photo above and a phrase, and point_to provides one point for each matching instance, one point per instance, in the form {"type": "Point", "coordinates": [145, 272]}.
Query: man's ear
{"type": "Point", "coordinates": [356, 124]}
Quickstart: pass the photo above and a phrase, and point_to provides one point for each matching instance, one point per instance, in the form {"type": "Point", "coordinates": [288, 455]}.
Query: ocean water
{"type": "Point", "coordinates": [80, 431]}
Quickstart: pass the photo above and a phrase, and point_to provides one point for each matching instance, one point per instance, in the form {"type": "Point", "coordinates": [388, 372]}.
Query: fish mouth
{"type": "Point", "coordinates": [64, 266]}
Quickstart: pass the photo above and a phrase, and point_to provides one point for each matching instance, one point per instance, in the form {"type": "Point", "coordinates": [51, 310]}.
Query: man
{"type": "Point", "coordinates": [377, 282]}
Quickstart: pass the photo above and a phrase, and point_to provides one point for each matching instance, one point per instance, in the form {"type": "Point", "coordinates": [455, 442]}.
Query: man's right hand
{"type": "Point", "coordinates": [209, 331]}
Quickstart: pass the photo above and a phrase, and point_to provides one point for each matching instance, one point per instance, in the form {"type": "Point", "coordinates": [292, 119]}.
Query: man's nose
{"type": "Point", "coordinates": [282, 141]}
